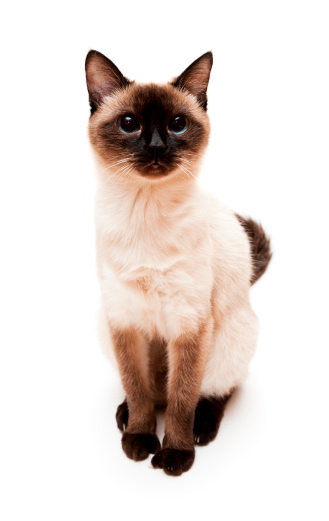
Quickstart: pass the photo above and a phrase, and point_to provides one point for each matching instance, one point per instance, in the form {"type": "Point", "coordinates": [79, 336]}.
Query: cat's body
{"type": "Point", "coordinates": [175, 265]}
{"type": "Point", "coordinates": [167, 274]}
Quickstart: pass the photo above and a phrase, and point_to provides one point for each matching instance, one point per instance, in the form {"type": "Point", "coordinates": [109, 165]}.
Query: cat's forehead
{"type": "Point", "coordinates": [153, 100]}
{"type": "Point", "coordinates": [157, 98]}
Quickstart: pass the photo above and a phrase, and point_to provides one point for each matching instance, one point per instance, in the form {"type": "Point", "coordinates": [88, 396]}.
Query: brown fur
{"type": "Point", "coordinates": [139, 439]}
{"type": "Point", "coordinates": [158, 371]}
{"type": "Point", "coordinates": [112, 145]}
{"type": "Point", "coordinates": [260, 246]}
{"type": "Point", "coordinates": [186, 367]}
{"type": "Point", "coordinates": [208, 416]}
{"type": "Point", "coordinates": [103, 78]}
{"type": "Point", "coordinates": [129, 347]}
{"type": "Point", "coordinates": [196, 77]}
{"type": "Point", "coordinates": [154, 371]}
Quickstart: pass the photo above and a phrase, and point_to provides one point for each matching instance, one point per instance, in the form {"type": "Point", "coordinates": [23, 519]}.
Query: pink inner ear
{"type": "Point", "coordinates": [103, 77]}
{"type": "Point", "coordinates": [102, 80]}
{"type": "Point", "coordinates": [196, 82]}
{"type": "Point", "coordinates": [195, 78]}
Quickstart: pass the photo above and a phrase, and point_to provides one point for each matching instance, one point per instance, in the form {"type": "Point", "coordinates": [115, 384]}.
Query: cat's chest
{"type": "Point", "coordinates": [157, 300]}
{"type": "Point", "coordinates": [147, 282]}
{"type": "Point", "coordinates": [158, 275]}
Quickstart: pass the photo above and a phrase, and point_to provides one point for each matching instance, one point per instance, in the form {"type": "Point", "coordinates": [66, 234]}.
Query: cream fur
{"type": "Point", "coordinates": [169, 256]}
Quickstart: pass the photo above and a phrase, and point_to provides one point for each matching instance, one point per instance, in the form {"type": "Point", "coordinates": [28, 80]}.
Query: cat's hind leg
{"type": "Point", "coordinates": [208, 416]}
{"type": "Point", "coordinates": [122, 415]}
{"type": "Point", "coordinates": [226, 369]}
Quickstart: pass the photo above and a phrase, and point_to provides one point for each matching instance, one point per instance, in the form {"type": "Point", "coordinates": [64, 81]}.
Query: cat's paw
{"type": "Point", "coordinates": [122, 416]}
{"type": "Point", "coordinates": [204, 431]}
{"type": "Point", "coordinates": [139, 446]}
{"type": "Point", "coordinates": [208, 415]}
{"type": "Point", "coordinates": [173, 461]}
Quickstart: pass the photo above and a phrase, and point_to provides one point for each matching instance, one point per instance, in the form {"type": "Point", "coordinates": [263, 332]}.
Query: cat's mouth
{"type": "Point", "coordinates": [154, 169]}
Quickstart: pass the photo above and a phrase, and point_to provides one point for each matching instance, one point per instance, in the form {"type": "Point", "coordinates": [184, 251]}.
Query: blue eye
{"type": "Point", "coordinates": [128, 124]}
{"type": "Point", "coordinates": [178, 125]}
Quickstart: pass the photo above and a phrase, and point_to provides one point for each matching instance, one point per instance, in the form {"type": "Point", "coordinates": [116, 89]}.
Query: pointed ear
{"type": "Point", "coordinates": [195, 78]}
{"type": "Point", "coordinates": [103, 78]}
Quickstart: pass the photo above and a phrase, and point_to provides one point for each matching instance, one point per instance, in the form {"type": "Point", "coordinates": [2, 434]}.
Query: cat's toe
{"type": "Point", "coordinates": [139, 446]}
{"type": "Point", "coordinates": [204, 431]}
{"type": "Point", "coordinates": [173, 461]}
{"type": "Point", "coordinates": [122, 416]}
{"type": "Point", "coordinates": [208, 415]}
{"type": "Point", "coordinates": [205, 437]}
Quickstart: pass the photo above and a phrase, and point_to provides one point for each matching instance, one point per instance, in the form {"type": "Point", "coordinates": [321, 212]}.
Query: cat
{"type": "Point", "coordinates": [175, 265]}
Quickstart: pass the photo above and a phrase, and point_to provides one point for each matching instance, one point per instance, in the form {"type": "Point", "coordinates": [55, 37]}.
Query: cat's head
{"type": "Point", "coordinates": [147, 130]}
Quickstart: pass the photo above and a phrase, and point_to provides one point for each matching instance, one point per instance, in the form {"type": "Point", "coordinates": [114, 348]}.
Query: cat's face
{"type": "Point", "coordinates": [152, 131]}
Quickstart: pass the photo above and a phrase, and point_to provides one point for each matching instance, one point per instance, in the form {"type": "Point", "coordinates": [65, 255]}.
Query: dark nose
{"type": "Point", "coordinates": [156, 145]}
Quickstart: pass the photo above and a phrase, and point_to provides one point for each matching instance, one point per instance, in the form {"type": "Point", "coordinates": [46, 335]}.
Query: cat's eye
{"type": "Point", "coordinates": [178, 125]}
{"type": "Point", "coordinates": [128, 124]}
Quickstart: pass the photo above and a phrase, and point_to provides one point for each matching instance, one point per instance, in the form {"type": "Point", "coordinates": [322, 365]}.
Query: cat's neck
{"type": "Point", "coordinates": [133, 206]}
{"type": "Point", "coordinates": [150, 224]}
{"type": "Point", "coordinates": [145, 203]}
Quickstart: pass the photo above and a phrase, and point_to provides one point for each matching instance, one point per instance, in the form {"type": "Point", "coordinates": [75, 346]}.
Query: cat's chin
{"type": "Point", "coordinates": [154, 171]}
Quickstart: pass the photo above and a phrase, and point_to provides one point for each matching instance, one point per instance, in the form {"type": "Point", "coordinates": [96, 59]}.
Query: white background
{"type": "Point", "coordinates": [268, 158]}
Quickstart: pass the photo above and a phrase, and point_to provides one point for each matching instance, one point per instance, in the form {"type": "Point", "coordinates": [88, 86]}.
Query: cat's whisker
{"type": "Point", "coordinates": [124, 166]}
{"type": "Point", "coordinates": [190, 172]}
{"type": "Point", "coordinates": [121, 172]}
{"type": "Point", "coordinates": [113, 164]}
{"type": "Point", "coordinates": [119, 161]}
{"type": "Point", "coordinates": [182, 169]}
{"type": "Point", "coordinates": [186, 160]}
{"type": "Point", "coordinates": [183, 158]}
{"type": "Point", "coordinates": [187, 171]}
{"type": "Point", "coordinates": [133, 166]}
{"type": "Point", "coordinates": [124, 172]}
{"type": "Point", "coordinates": [125, 160]}
{"type": "Point", "coordinates": [178, 166]}
{"type": "Point", "coordinates": [190, 163]}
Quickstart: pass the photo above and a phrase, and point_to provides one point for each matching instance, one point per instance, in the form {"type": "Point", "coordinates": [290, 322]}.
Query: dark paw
{"type": "Point", "coordinates": [122, 416]}
{"type": "Point", "coordinates": [173, 461]}
{"type": "Point", "coordinates": [139, 446]}
{"type": "Point", "coordinates": [208, 415]}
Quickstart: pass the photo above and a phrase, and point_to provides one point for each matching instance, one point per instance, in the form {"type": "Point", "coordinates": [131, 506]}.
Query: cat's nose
{"type": "Point", "coordinates": [156, 144]}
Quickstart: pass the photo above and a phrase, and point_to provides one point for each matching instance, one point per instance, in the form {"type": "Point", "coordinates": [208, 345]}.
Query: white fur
{"type": "Point", "coordinates": [184, 248]}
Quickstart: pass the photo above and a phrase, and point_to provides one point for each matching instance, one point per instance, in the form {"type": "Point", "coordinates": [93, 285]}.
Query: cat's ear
{"type": "Point", "coordinates": [195, 78]}
{"type": "Point", "coordinates": [103, 78]}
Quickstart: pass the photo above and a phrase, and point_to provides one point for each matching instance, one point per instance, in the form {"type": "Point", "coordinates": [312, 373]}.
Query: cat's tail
{"type": "Point", "coordinates": [260, 246]}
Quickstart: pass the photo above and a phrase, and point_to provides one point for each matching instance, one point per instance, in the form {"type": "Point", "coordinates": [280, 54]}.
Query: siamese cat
{"type": "Point", "coordinates": [175, 265]}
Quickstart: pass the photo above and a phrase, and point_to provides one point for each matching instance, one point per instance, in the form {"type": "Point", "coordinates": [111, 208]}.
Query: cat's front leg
{"type": "Point", "coordinates": [187, 355]}
{"type": "Point", "coordinates": [139, 438]}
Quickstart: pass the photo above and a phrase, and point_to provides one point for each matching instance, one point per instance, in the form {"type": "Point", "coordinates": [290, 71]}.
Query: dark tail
{"type": "Point", "coordinates": [260, 246]}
